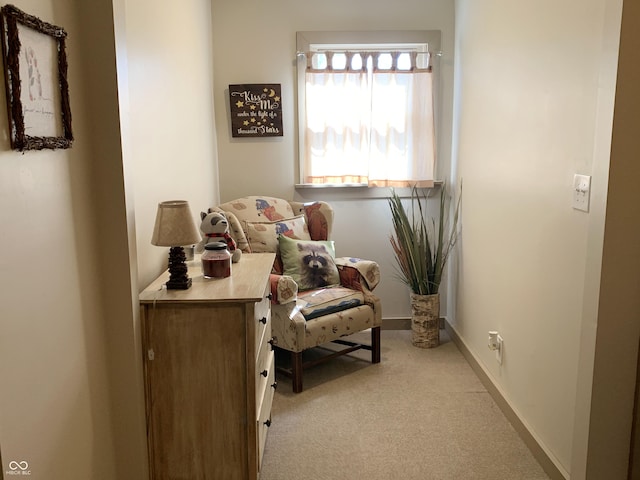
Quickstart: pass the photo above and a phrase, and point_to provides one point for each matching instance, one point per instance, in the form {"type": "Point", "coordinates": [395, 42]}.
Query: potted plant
{"type": "Point", "coordinates": [421, 247]}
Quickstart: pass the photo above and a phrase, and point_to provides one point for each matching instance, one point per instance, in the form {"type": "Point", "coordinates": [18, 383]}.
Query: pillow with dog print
{"type": "Point", "coordinates": [310, 263]}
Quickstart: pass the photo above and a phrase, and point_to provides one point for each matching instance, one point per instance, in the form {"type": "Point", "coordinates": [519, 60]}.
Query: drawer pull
{"type": "Point", "coordinates": [268, 422]}
{"type": "Point", "coordinates": [263, 320]}
{"type": "Point", "coordinates": [273, 341]}
{"type": "Point", "coordinates": [270, 296]}
{"type": "Point", "coordinates": [264, 373]}
{"type": "Point", "coordinates": [274, 385]}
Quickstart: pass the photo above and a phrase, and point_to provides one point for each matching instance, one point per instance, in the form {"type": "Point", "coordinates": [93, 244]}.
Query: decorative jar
{"type": "Point", "coordinates": [216, 260]}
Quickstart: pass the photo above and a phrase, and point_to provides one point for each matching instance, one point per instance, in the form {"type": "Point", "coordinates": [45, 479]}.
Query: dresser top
{"type": "Point", "coordinates": [246, 283]}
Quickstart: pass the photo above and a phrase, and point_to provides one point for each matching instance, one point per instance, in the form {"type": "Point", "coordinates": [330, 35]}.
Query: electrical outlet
{"type": "Point", "coordinates": [581, 192]}
{"type": "Point", "coordinates": [499, 349]}
{"type": "Point", "coordinates": [495, 343]}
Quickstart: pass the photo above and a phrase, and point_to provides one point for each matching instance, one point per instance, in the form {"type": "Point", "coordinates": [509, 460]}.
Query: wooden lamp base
{"type": "Point", "coordinates": [178, 277]}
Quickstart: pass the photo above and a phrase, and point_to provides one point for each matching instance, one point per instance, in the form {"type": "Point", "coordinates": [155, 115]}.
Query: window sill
{"type": "Point", "coordinates": [360, 190]}
{"type": "Point", "coordinates": [331, 185]}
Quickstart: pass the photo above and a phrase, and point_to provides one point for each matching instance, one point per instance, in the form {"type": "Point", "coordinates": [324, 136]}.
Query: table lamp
{"type": "Point", "coordinates": [174, 228]}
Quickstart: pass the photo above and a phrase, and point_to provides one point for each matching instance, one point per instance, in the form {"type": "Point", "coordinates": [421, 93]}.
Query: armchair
{"type": "Point", "coordinates": [300, 318]}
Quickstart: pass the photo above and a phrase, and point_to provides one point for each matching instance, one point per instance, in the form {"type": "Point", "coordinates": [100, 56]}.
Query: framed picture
{"type": "Point", "coordinates": [256, 110]}
{"type": "Point", "coordinates": [35, 72]}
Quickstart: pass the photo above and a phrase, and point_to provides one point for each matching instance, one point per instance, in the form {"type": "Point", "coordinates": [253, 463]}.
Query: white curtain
{"type": "Point", "coordinates": [337, 140]}
{"type": "Point", "coordinates": [369, 125]}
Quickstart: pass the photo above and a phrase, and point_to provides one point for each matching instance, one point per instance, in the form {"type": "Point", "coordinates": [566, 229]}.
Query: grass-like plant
{"type": "Point", "coordinates": [422, 246]}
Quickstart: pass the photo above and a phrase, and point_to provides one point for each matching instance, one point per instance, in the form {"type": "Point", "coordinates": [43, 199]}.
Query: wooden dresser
{"type": "Point", "coordinates": [209, 373]}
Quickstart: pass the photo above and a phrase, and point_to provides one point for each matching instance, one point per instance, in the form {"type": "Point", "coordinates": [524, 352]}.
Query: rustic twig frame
{"type": "Point", "coordinates": [37, 89]}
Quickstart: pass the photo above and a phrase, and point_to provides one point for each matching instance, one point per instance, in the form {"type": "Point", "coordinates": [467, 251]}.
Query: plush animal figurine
{"type": "Point", "coordinates": [215, 228]}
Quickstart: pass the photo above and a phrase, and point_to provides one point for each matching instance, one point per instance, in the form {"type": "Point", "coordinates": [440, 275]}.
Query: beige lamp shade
{"type": "Point", "coordinates": [174, 225]}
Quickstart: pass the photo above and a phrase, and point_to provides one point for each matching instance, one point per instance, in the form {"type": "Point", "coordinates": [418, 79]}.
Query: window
{"type": "Point", "coordinates": [365, 108]}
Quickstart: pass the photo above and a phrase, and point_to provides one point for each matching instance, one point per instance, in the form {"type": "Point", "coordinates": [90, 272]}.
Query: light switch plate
{"type": "Point", "coordinates": [581, 192]}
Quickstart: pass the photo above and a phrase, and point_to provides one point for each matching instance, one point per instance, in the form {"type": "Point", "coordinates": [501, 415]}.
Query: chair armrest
{"type": "Point", "coordinates": [288, 327]}
{"type": "Point", "coordinates": [283, 289]}
{"type": "Point", "coordinates": [359, 274]}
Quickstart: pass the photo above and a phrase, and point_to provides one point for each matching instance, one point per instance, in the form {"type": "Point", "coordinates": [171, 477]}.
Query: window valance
{"type": "Point", "coordinates": [359, 61]}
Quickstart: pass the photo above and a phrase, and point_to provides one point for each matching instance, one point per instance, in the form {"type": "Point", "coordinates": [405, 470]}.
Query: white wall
{"type": "Point", "coordinates": [594, 260]}
{"type": "Point", "coordinates": [614, 347]}
{"type": "Point", "coordinates": [531, 90]}
{"type": "Point", "coordinates": [257, 44]}
{"type": "Point", "coordinates": [168, 152]}
{"type": "Point", "coordinates": [55, 410]}
{"type": "Point", "coordinates": [70, 356]}
{"type": "Point", "coordinates": [172, 148]}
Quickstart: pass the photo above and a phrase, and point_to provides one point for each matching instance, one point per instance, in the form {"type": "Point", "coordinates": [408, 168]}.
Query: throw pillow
{"type": "Point", "coordinates": [310, 263]}
{"type": "Point", "coordinates": [263, 236]}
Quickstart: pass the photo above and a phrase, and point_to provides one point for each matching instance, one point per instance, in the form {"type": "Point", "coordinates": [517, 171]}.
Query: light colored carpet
{"type": "Point", "coordinates": [418, 415]}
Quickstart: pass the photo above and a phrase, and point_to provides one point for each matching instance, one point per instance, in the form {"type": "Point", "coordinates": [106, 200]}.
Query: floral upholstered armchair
{"type": "Point", "coordinates": [316, 298]}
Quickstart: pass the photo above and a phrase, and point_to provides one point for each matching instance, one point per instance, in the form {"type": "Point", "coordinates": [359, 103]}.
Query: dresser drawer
{"type": "Point", "coordinates": [262, 341]}
{"type": "Point", "coordinates": [262, 313]}
{"type": "Point", "coordinates": [264, 407]}
{"type": "Point", "coordinates": [263, 365]}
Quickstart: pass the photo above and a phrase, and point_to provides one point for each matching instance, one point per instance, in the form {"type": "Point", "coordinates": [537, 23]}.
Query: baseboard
{"type": "Point", "coordinates": [540, 454]}
{"type": "Point", "coordinates": [400, 323]}
{"type": "Point", "coordinates": [396, 323]}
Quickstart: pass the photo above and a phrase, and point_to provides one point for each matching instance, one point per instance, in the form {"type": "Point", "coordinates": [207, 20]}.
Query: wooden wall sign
{"type": "Point", "coordinates": [256, 110]}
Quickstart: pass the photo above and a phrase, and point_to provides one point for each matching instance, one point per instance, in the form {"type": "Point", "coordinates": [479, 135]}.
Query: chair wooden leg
{"type": "Point", "coordinates": [296, 371]}
{"type": "Point", "coordinates": [375, 345]}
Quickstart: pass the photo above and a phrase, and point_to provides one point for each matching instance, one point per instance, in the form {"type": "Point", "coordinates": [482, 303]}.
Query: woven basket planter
{"type": "Point", "coordinates": [425, 320]}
